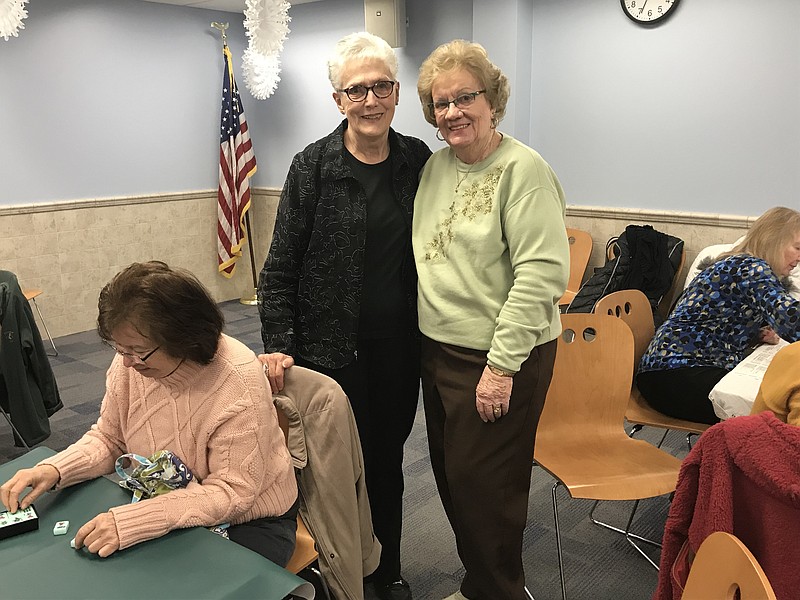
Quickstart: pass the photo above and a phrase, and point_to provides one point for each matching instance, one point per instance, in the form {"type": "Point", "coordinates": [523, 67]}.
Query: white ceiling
{"type": "Point", "coordinates": [236, 6]}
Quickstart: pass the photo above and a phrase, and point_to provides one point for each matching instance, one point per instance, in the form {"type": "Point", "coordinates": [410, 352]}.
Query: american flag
{"type": "Point", "coordinates": [237, 163]}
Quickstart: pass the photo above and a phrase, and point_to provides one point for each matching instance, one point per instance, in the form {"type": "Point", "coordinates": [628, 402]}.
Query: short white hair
{"type": "Point", "coordinates": [359, 46]}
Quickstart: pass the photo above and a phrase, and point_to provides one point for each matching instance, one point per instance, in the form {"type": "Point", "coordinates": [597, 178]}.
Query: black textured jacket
{"type": "Point", "coordinates": [309, 290]}
{"type": "Point", "coordinates": [644, 259]}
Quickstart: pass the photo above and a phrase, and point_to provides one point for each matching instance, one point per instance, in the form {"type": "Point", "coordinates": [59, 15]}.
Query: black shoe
{"type": "Point", "coordinates": [396, 590]}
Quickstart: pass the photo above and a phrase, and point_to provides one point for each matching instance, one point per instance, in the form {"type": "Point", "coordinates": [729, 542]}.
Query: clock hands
{"type": "Point", "coordinates": [641, 10]}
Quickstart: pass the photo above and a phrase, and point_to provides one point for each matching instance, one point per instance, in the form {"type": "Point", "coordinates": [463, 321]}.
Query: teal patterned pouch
{"type": "Point", "coordinates": [148, 477]}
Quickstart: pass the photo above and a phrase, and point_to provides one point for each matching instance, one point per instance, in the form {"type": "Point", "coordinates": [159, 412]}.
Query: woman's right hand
{"type": "Point", "coordinates": [40, 479]}
{"type": "Point", "coordinates": [275, 364]}
{"type": "Point", "coordinates": [767, 335]}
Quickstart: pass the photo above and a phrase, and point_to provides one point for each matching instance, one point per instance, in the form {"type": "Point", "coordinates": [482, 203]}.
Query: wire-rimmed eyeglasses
{"type": "Point", "coordinates": [461, 101]}
{"type": "Point", "coordinates": [135, 357]}
{"type": "Point", "coordinates": [358, 93]}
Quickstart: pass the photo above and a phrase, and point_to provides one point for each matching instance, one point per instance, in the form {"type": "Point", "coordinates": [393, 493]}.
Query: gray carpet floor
{"type": "Point", "coordinates": [599, 564]}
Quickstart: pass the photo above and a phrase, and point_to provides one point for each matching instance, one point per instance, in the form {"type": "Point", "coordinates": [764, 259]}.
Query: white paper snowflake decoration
{"type": "Point", "coordinates": [11, 14]}
{"type": "Point", "coordinates": [261, 73]}
{"type": "Point", "coordinates": [267, 25]}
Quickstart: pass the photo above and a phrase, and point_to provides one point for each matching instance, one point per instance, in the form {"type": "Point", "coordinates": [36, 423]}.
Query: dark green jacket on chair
{"type": "Point", "coordinates": [28, 390]}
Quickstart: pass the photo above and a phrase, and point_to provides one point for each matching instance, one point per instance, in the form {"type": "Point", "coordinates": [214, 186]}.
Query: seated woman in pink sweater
{"type": "Point", "coordinates": [177, 383]}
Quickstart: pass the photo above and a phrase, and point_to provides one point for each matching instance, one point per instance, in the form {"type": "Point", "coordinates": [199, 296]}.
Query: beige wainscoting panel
{"type": "Point", "coordinates": [697, 230]}
{"type": "Point", "coordinates": [72, 249]}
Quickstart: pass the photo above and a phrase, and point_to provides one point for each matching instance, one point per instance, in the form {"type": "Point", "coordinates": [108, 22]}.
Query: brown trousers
{"type": "Point", "coordinates": [483, 470]}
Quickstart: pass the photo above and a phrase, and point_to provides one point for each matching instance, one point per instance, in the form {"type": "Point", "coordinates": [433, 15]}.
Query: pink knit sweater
{"type": "Point", "coordinates": [218, 418]}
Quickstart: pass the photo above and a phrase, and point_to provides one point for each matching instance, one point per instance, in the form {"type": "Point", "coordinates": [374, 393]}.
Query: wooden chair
{"type": "Point", "coordinates": [580, 250]}
{"type": "Point", "coordinates": [723, 565]}
{"type": "Point", "coordinates": [305, 550]}
{"type": "Point", "coordinates": [581, 440]}
{"type": "Point", "coordinates": [634, 309]}
{"type": "Point", "coordinates": [31, 295]}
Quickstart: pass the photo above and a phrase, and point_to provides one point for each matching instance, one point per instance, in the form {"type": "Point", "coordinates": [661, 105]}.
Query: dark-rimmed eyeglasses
{"type": "Point", "coordinates": [135, 357]}
{"type": "Point", "coordinates": [460, 101]}
{"type": "Point", "coordinates": [358, 93]}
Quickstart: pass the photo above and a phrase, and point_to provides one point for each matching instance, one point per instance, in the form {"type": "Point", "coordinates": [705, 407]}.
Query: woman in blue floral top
{"type": "Point", "coordinates": [735, 303]}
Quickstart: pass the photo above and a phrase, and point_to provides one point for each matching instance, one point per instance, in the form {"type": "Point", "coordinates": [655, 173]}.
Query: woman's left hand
{"type": "Point", "coordinates": [99, 536]}
{"type": "Point", "coordinates": [492, 395]}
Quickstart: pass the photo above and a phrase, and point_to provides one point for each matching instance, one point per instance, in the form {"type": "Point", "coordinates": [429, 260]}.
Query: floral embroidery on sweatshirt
{"type": "Point", "coordinates": [476, 199]}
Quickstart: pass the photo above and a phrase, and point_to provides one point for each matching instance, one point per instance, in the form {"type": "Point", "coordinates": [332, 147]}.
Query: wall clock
{"type": "Point", "coordinates": [648, 11]}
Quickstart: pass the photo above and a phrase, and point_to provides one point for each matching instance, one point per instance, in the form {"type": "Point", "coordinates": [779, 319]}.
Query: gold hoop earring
{"type": "Point", "coordinates": [439, 136]}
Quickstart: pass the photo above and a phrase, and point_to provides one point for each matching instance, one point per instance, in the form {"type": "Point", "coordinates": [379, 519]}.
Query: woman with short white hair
{"type": "Point", "coordinates": [337, 293]}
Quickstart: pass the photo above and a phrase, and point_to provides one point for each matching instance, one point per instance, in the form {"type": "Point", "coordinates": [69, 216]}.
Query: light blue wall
{"type": "Point", "coordinates": [110, 98]}
{"type": "Point", "coordinates": [104, 98]}
{"type": "Point", "coordinates": [699, 114]}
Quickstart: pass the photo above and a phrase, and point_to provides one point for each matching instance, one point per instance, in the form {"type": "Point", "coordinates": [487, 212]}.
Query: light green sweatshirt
{"type": "Point", "coordinates": [493, 256]}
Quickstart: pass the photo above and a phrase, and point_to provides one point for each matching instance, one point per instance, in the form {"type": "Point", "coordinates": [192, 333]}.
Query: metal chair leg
{"type": "Point", "coordinates": [326, 592]}
{"type": "Point", "coordinates": [47, 331]}
{"type": "Point", "coordinates": [635, 429]}
{"type": "Point", "coordinates": [558, 541]}
{"type": "Point", "coordinates": [528, 594]}
{"type": "Point", "coordinates": [16, 431]}
{"type": "Point", "coordinates": [628, 537]}
{"type": "Point", "coordinates": [619, 530]}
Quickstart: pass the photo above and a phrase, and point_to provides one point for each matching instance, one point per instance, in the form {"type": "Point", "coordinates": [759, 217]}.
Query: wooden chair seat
{"type": "Point", "coordinates": [614, 468]}
{"type": "Point", "coordinates": [32, 293]}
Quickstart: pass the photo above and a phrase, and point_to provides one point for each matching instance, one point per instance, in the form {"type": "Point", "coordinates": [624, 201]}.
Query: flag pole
{"type": "Point", "coordinates": [251, 299]}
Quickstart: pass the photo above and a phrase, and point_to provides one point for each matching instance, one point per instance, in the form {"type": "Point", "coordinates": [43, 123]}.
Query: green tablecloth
{"type": "Point", "coordinates": [187, 563]}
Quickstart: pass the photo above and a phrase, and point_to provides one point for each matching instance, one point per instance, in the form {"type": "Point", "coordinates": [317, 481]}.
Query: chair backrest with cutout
{"type": "Point", "coordinates": [580, 250]}
{"type": "Point", "coordinates": [633, 307]}
{"type": "Point", "coordinates": [591, 379]}
{"type": "Point", "coordinates": [722, 566]}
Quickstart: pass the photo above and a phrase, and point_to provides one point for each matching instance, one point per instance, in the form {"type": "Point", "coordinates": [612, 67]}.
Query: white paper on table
{"type": "Point", "coordinates": [735, 393]}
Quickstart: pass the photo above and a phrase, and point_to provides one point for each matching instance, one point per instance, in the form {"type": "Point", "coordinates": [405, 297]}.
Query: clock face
{"type": "Point", "coordinates": [648, 11]}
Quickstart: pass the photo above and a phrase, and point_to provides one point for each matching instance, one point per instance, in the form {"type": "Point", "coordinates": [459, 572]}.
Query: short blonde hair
{"type": "Point", "coordinates": [461, 54]}
{"type": "Point", "coordinates": [360, 46]}
{"type": "Point", "coordinates": [769, 235]}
